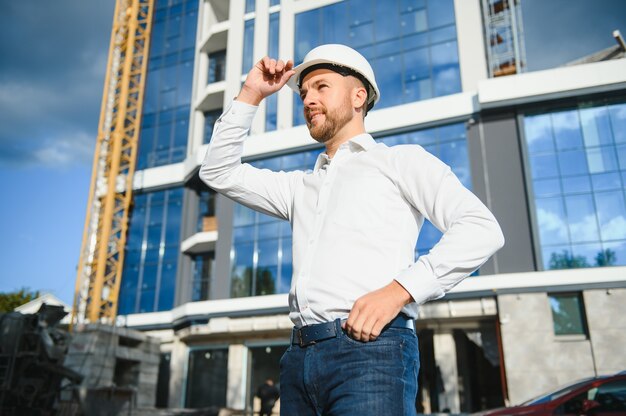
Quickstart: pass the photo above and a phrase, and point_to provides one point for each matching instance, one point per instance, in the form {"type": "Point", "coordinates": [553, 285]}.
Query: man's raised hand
{"type": "Point", "coordinates": [265, 78]}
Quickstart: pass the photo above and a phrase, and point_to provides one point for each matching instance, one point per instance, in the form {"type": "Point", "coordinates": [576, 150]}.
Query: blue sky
{"type": "Point", "coordinates": [52, 65]}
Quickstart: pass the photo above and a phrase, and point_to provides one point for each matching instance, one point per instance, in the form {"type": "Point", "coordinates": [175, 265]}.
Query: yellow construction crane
{"type": "Point", "coordinates": [106, 223]}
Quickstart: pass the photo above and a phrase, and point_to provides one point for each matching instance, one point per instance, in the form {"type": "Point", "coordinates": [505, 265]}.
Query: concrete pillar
{"type": "Point", "coordinates": [178, 364]}
{"type": "Point", "coordinates": [471, 40]}
{"type": "Point", "coordinates": [445, 357]}
{"type": "Point", "coordinates": [237, 376]}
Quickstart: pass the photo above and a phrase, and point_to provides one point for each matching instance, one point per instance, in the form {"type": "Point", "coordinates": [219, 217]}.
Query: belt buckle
{"type": "Point", "coordinates": [301, 342]}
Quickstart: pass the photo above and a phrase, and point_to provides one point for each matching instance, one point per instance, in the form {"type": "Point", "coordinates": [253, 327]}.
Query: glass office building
{"type": "Point", "coordinates": [545, 151]}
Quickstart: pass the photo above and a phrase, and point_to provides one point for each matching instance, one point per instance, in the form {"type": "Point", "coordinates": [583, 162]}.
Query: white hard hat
{"type": "Point", "coordinates": [341, 59]}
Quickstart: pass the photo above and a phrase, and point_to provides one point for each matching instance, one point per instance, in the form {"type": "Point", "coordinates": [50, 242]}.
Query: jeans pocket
{"type": "Point", "coordinates": [380, 341]}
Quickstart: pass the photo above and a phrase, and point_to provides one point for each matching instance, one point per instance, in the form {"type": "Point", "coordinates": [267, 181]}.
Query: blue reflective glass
{"type": "Point", "coordinates": [274, 3]}
{"type": "Point", "coordinates": [167, 286]}
{"type": "Point", "coordinates": [339, 32]}
{"type": "Point", "coordinates": [250, 6]}
{"type": "Point", "coordinates": [267, 252]}
{"type": "Point", "coordinates": [149, 224]}
{"type": "Point", "coordinates": [359, 11]}
{"type": "Point", "coordinates": [168, 85]}
{"type": "Point", "coordinates": [585, 254]}
{"type": "Point", "coordinates": [614, 254]}
{"type": "Point", "coordinates": [538, 133]}
{"type": "Point", "coordinates": [446, 74]}
{"type": "Point", "coordinates": [618, 122]}
{"type": "Point", "coordinates": [210, 117]}
{"type": "Point", "coordinates": [181, 128]}
{"type": "Point", "coordinates": [596, 126]}
{"type": "Point", "coordinates": [244, 233]}
{"type": "Point", "coordinates": [157, 41]}
{"type": "Point", "coordinates": [269, 230]}
{"type": "Point", "coordinates": [217, 66]}
{"type": "Point", "coordinates": [389, 76]}
{"type": "Point", "coordinates": [446, 33]}
{"type": "Point", "coordinates": [271, 102]}
{"type": "Point", "coordinates": [189, 29]}
{"type": "Point", "coordinates": [440, 12]}
{"type": "Point", "coordinates": [581, 218]}
{"type": "Point", "coordinates": [544, 166]}
{"type": "Point", "coordinates": [172, 228]}
{"type": "Point", "coordinates": [546, 187]}
{"type": "Point", "coordinates": [602, 159]}
{"type": "Point", "coordinates": [388, 34]}
{"type": "Point", "coordinates": [611, 215]}
{"type": "Point", "coordinates": [248, 45]}
{"type": "Point", "coordinates": [567, 132]}
{"type": "Point", "coordinates": [606, 181]}
{"type": "Point", "coordinates": [621, 156]}
{"type": "Point", "coordinates": [183, 87]}
{"type": "Point", "coordinates": [149, 277]}
{"type": "Point", "coordinates": [551, 221]}
{"type": "Point", "coordinates": [576, 184]}
{"type": "Point", "coordinates": [146, 304]}
{"type": "Point", "coordinates": [415, 21]}
{"type": "Point", "coordinates": [387, 25]}
{"type": "Point", "coordinates": [572, 162]}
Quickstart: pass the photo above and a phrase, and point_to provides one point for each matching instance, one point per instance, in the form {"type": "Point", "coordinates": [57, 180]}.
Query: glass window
{"type": "Point", "coordinates": [168, 84]}
{"type": "Point", "coordinates": [217, 66]}
{"type": "Point", "coordinates": [207, 378]}
{"type": "Point", "coordinates": [412, 48]}
{"type": "Point", "coordinates": [271, 102]}
{"type": "Point", "coordinates": [568, 314]}
{"type": "Point", "coordinates": [203, 272]}
{"type": "Point", "coordinates": [265, 362]}
{"type": "Point", "coordinates": [248, 46]}
{"type": "Point", "coordinates": [149, 274]}
{"type": "Point", "coordinates": [577, 178]}
{"type": "Point", "coordinates": [210, 117]}
{"type": "Point", "coordinates": [250, 6]}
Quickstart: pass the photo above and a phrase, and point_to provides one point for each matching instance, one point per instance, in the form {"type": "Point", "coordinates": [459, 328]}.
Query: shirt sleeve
{"type": "Point", "coordinates": [471, 234]}
{"type": "Point", "coordinates": [260, 189]}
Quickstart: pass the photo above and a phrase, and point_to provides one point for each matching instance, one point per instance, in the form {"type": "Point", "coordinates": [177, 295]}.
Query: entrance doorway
{"type": "Point", "coordinates": [264, 364]}
{"type": "Point", "coordinates": [459, 368]}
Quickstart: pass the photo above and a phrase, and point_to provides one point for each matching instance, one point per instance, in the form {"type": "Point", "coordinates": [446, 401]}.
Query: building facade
{"type": "Point", "coordinates": [545, 151]}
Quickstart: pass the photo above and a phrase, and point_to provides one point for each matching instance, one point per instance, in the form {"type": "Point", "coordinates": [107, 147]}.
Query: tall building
{"type": "Point", "coordinates": [545, 151]}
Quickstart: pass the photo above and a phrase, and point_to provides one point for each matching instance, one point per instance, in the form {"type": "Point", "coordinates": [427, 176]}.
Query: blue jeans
{"type": "Point", "coordinates": [341, 376]}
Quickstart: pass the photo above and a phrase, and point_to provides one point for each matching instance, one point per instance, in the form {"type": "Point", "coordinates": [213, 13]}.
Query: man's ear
{"type": "Point", "coordinates": [359, 96]}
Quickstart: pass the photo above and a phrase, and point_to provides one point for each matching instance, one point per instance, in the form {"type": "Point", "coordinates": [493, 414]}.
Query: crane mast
{"type": "Point", "coordinates": [104, 238]}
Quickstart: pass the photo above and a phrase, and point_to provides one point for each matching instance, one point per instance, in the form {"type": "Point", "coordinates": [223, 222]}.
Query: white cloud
{"type": "Point", "coordinates": [614, 229]}
{"type": "Point", "coordinates": [65, 150]}
{"type": "Point", "coordinates": [551, 223]}
{"type": "Point", "coordinates": [584, 230]}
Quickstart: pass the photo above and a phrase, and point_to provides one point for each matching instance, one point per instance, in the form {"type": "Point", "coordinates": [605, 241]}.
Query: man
{"type": "Point", "coordinates": [355, 221]}
{"type": "Point", "coordinates": [268, 393]}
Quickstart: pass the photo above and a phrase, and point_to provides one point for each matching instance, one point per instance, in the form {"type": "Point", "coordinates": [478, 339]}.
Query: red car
{"type": "Point", "coordinates": [596, 396]}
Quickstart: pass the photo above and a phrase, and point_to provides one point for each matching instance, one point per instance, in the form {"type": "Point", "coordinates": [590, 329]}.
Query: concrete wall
{"type": "Point", "coordinates": [536, 360]}
{"type": "Point", "coordinates": [606, 318]}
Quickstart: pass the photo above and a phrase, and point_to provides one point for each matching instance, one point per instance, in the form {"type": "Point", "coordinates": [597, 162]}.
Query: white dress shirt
{"type": "Point", "coordinates": [356, 218]}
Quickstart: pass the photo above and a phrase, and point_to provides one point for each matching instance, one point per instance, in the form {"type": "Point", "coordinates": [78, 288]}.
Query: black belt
{"type": "Point", "coordinates": [310, 334]}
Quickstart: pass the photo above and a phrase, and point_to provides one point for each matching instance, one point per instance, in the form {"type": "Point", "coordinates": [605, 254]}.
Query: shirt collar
{"type": "Point", "coordinates": [363, 142]}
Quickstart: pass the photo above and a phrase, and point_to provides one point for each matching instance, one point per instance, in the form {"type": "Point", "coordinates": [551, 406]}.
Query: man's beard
{"type": "Point", "coordinates": [334, 121]}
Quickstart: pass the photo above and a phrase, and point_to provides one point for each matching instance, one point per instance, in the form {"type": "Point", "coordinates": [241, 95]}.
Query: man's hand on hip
{"type": "Point", "coordinates": [371, 312]}
{"type": "Point", "coordinates": [265, 78]}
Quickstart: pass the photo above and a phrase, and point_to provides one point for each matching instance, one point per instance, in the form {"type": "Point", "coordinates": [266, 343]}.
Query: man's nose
{"type": "Point", "coordinates": [309, 99]}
